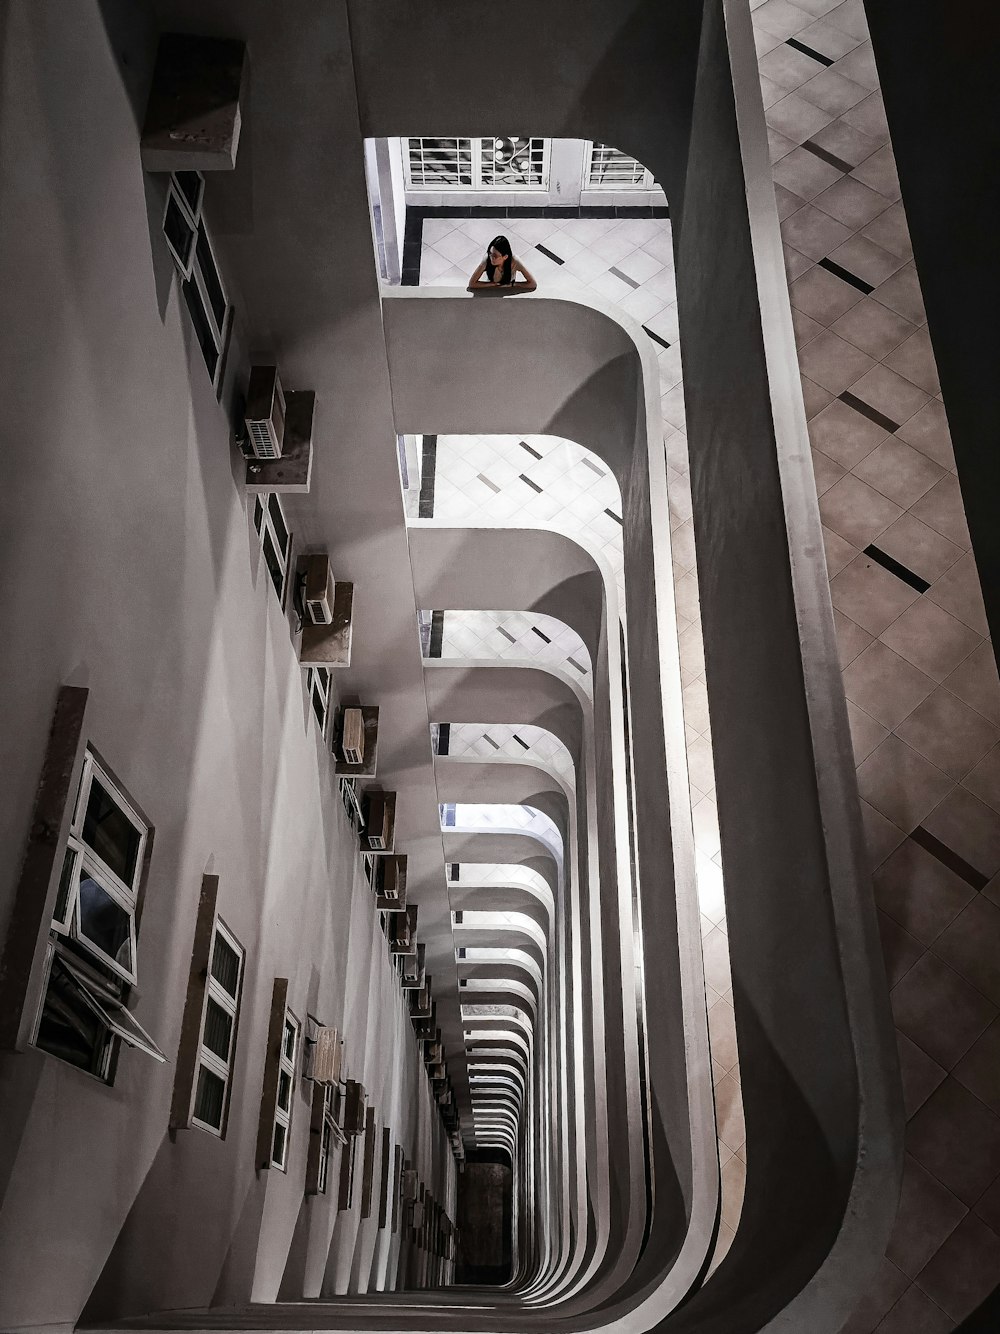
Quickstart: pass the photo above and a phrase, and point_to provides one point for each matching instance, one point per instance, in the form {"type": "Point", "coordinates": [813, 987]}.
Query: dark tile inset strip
{"type": "Point", "coordinates": [506, 634]}
{"type": "Point", "coordinates": [624, 277]}
{"type": "Point", "coordinates": [578, 665]}
{"type": "Point", "coordinates": [948, 858]}
{"type": "Point", "coordinates": [846, 276]}
{"type": "Point", "coordinates": [541, 635]}
{"type": "Point", "coordinates": [549, 254]}
{"type": "Point", "coordinates": [486, 482]}
{"type": "Point", "coordinates": [444, 738]}
{"type": "Point", "coordinates": [894, 567]}
{"type": "Point", "coordinates": [534, 485]}
{"type": "Point", "coordinates": [494, 744]}
{"type": "Point", "coordinates": [524, 445]}
{"type": "Point", "coordinates": [437, 634]}
{"type": "Point", "coordinates": [866, 410]}
{"type": "Point", "coordinates": [428, 472]}
{"type": "Point", "coordinates": [656, 337]}
{"type": "Point", "coordinates": [593, 467]}
{"type": "Point", "coordinates": [521, 742]}
{"type": "Point", "coordinates": [617, 517]}
{"type": "Point", "coordinates": [808, 51]}
{"type": "Point", "coordinates": [831, 159]}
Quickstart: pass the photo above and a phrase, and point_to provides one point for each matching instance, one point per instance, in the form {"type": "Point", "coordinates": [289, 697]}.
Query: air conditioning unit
{"type": "Point", "coordinates": [354, 1108]}
{"type": "Point", "coordinates": [378, 827]}
{"type": "Point", "coordinates": [318, 595]}
{"type": "Point", "coordinates": [265, 413]}
{"type": "Point", "coordinates": [323, 1056]}
{"type": "Point", "coordinates": [352, 741]}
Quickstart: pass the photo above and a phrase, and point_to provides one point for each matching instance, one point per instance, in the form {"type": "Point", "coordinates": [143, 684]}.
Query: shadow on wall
{"type": "Point", "coordinates": [485, 1217]}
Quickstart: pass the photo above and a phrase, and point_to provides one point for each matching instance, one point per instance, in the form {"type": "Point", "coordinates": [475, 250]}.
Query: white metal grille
{"type": "Point", "coordinates": [509, 162]}
{"type": "Point", "coordinates": [611, 169]}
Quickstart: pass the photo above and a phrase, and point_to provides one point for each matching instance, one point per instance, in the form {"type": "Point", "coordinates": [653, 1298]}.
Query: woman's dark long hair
{"type": "Point", "coordinates": [503, 245]}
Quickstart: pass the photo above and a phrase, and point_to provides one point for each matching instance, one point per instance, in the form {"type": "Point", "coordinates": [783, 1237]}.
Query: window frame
{"type": "Point", "coordinates": [315, 678]}
{"type": "Point", "coordinates": [288, 1067]}
{"type": "Point", "coordinates": [592, 149]}
{"type": "Point", "coordinates": [195, 282]}
{"type": "Point", "coordinates": [471, 149]}
{"type": "Point", "coordinates": [205, 1056]}
{"type": "Point", "coordinates": [264, 523]}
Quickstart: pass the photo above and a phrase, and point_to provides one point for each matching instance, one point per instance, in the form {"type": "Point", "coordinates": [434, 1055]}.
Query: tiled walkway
{"type": "Point", "coordinates": [541, 478]}
{"type": "Point", "coordinates": [919, 670]}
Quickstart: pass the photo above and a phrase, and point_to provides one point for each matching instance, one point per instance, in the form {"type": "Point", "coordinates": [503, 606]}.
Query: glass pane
{"type": "Point", "coordinates": [274, 568]}
{"type": "Point", "coordinates": [210, 277]}
{"type": "Point", "coordinates": [258, 512]}
{"type": "Point", "coordinates": [110, 832]}
{"type": "Point", "coordinates": [318, 702]}
{"type": "Point", "coordinates": [65, 886]}
{"type": "Point", "coordinates": [179, 233]}
{"type": "Point", "coordinates": [104, 922]}
{"type": "Point", "coordinates": [210, 1098]}
{"type": "Point", "coordinates": [289, 1040]}
{"type": "Point", "coordinates": [278, 522]}
{"type": "Point", "coordinates": [218, 1029]}
{"type": "Point", "coordinates": [284, 1091]}
{"type": "Point", "coordinates": [69, 1029]}
{"type": "Point", "coordinates": [225, 965]}
{"type": "Point", "coordinates": [278, 1145]}
{"type": "Point", "coordinates": [202, 327]}
{"type": "Point", "coordinates": [191, 185]}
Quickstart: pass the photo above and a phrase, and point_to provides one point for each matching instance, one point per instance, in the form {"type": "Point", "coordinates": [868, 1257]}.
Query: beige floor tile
{"type": "Point", "coordinates": [943, 510]}
{"type": "Point", "coordinates": [722, 1034]}
{"type": "Point", "coordinates": [939, 1011]}
{"type": "Point", "coordinates": [814, 397]}
{"type": "Point", "coordinates": [971, 945]}
{"type": "Point", "coordinates": [889, 393]}
{"type": "Point", "coordinates": [879, 172]}
{"type": "Point", "coordinates": [970, 828]}
{"type": "Point", "coordinates": [869, 117]}
{"type": "Point", "coordinates": [803, 173]}
{"type": "Point", "coordinates": [825, 297]}
{"type": "Point", "coordinates": [866, 733]}
{"type": "Point", "coordinates": [914, 360]}
{"type": "Point", "coordinates": [900, 950]}
{"type": "Point", "coordinates": [787, 67]}
{"type": "Point", "coordinates": [901, 292]}
{"type": "Point", "coordinates": [949, 734]}
{"type": "Point", "coordinates": [927, 430]}
{"type": "Point", "coordinates": [851, 639]}
{"type": "Point", "coordinates": [839, 552]}
{"type": "Point", "coordinates": [846, 142]}
{"type": "Point", "coordinates": [797, 119]}
{"type": "Point", "coordinates": [931, 638]}
{"type": "Point", "coordinates": [919, 547]}
{"type": "Point", "coordinates": [915, 1313]}
{"type": "Point", "coordinates": [828, 40]}
{"type": "Point", "coordinates": [844, 435]}
{"type": "Point", "coordinates": [984, 780]}
{"type": "Point", "coordinates": [813, 232]}
{"type": "Point", "coordinates": [919, 892]}
{"type": "Point", "coordinates": [957, 1139]}
{"type": "Point", "coordinates": [928, 1214]}
{"type": "Point", "coordinates": [850, 18]}
{"type": "Point", "coordinates": [729, 1112]}
{"type": "Point", "coordinates": [899, 471]}
{"type": "Point", "coordinates": [804, 327]}
{"type": "Point", "coordinates": [862, 257]}
{"type": "Point", "coordinates": [858, 65]}
{"type": "Point", "coordinates": [883, 1292]}
{"type": "Point", "coordinates": [849, 201]}
{"type": "Point", "coordinates": [715, 949]}
{"type": "Point", "coordinates": [987, 1207]}
{"type": "Point", "coordinates": [870, 595]}
{"type": "Point", "coordinates": [965, 1270]}
{"type": "Point", "coordinates": [855, 511]}
{"type": "Point", "coordinates": [734, 1180]}
{"type": "Point", "coordinates": [826, 472]}
{"type": "Point", "coordinates": [889, 230]}
{"type": "Point", "coordinates": [881, 835]}
{"type": "Point", "coordinates": [901, 783]}
{"type": "Point", "coordinates": [885, 685]}
{"type": "Point", "coordinates": [833, 92]}
{"type": "Point", "coordinates": [873, 327]}
{"type": "Point", "coordinates": [979, 1068]}
{"type": "Point", "coordinates": [920, 1075]}
{"type": "Point", "coordinates": [958, 590]}
{"type": "Point", "coordinates": [975, 681]}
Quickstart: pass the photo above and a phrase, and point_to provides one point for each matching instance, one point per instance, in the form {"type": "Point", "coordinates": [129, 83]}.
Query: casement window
{"type": "Point", "coordinates": [508, 162]}
{"type": "Point", "coordinates": [610, 169]}
{"type": "Point", "coordinates": [91, 957]}
{"type": "Point", "coordinates": [217, 1044]}
{"type": "Point", "coordinates": [287, 1063]}
{"type": "Point", "coordinates": [352, 802]}
{"type": "Point", "coordinates": [325, 1137]}
{"type": "Point", "coordinates": [275, 540]}
{"type": "Point", "coordinates": [318, 682]}
{"type": "Point", "coordinates": [191, 248]}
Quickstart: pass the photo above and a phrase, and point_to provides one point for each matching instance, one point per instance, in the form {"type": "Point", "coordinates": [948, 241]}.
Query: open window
{"type": "Point", "coordinates": [275, 540]}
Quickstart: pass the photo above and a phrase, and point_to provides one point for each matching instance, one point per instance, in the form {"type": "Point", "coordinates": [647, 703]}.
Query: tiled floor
{"type": "Point", "coordinates": [919, 670]}
{"type": "Point", "coordinates": [542, 478]}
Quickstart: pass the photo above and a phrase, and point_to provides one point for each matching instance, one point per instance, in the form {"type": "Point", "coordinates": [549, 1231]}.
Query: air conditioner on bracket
{"type": "Point", "coordinates": [318, 595]}
{"type": "Point", "coordinates": [265, 413]}
{"type": "Point", "coordinates": [323, 1057]}
{"type": "Point", "coordinates": [352, 741]}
